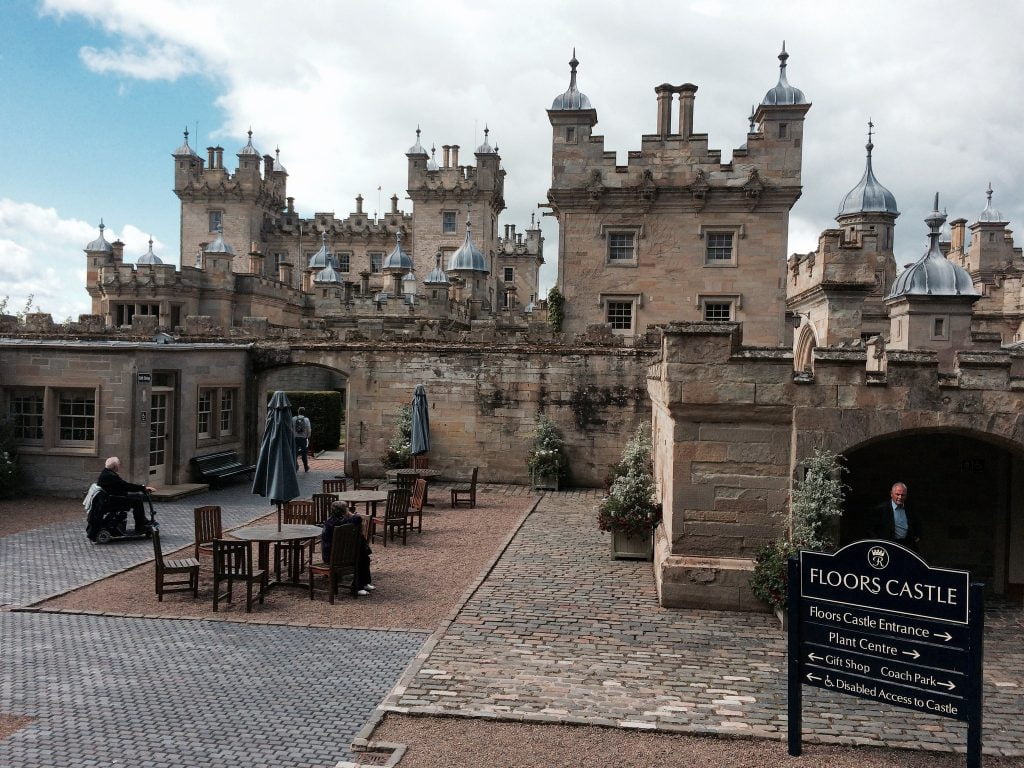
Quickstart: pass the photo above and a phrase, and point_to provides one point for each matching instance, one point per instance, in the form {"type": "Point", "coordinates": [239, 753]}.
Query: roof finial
{"type": "Point", "coordinates": [151, 241]}
{"type": "Point", "coordinates": [869, 145]}
{"type": "Point", "coordinates": [751, 118]}
{"type": "Point", "coordinates": [398, 237]}
{"type": "Point", "coordinates": [186, 135]}
{"type": "Point", "coordinates": [101, 227]}
{"type": "Point", "coordinates": [417, 133]}
{"type": "Point", "coordinates": [277, 152]}
{"type": "Point", "coordinates": [783, 56]}
{"type": "Point", "coordinates": [572, 66]}
{"type": "Point", "coordinates": [988, 193]}
{"type": "Point", "coordinates": [486, 131]}
{"type": "Point", "coordinates": [250, 134]}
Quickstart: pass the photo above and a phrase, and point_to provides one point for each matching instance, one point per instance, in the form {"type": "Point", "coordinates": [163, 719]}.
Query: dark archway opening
{"type": "Point", "coordinates": [966, 492]}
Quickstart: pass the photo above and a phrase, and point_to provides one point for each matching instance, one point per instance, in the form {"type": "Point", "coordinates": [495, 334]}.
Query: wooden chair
{"type": "Point", "coordinates": [321, 507]}
{"type": "Point", "coordinates": [165, 568]}
{"type": "Point", "coordinates": [396, 516]}
{"type": "Point", "coordinates": [337, 485]}
{"type": "Point", "coordinates": [294, 552]}
{"type": "Point", "coordinates": [358, 484]}
{"type": "Point", "coordinates": [208, 528]}
{"type": "Point", "coordinates": [465, 492]}
{"type": "Point", "coordinates": [416, 502]}
{"type": "Point", "coordinates": [404, 482]}
{"type": "Point", "coordinates": [232, 561]}
{"type": "Point", "coordinates": [345, 545]}
{"type": "Point", "coordinates": [420, 462]}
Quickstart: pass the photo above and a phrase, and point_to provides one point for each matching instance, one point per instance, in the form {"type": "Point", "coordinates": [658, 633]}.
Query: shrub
{"type": "Point", "coordinates": [556, 309]}
{"type": "Point", "coordinates": [324, 409]}
{"type": "Point", "coordinates": [547, 457]}
{"type": "Point", "coordinates": [400, 448]}
{"type": "Point", "coordinates": [816, 505]}
{"type": "Point", "coordinates": [630, 506]}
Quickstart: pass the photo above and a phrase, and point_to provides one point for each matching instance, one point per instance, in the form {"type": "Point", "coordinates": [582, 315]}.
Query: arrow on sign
{"type": "Point", "coordinates": [948, 686]}
{"type": "Point", "coordinates": [944, 635]}
{"type": "Point", "coordinates": [911, 654]}
{"type": "Point", "coordinates": [815, 657]}
{"type": "Point", "coordinates": [812, 677]}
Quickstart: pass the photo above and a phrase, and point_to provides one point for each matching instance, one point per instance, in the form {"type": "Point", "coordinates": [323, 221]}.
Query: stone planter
{"type": "Point", "coordinates": [545, 481]}
{"type": "Point", "coordinates": [631, 546]}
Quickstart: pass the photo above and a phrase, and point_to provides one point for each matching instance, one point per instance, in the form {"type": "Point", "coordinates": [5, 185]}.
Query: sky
{"type": "Point", "coordinates": [96, 94]}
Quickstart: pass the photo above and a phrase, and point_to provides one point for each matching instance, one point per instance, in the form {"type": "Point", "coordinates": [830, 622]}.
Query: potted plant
{"type": "Point", "coordinates": [816, 506]}
{"type": "Point", "coordinates": [400, 447]}
{"type": "Point", "coordinates": [629, 511]}
{"type": "Point", "coordinates": [547, 462]}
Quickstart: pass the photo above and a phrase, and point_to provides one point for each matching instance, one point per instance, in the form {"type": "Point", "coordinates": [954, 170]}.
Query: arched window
{"type": "Point", "coordinates": [803, 355]}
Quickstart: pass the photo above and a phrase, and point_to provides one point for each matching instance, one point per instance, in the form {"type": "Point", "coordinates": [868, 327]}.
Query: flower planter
{"type": "Point", "coordinates": [543, 481]}
{"type": "Point", "coordinates": [627, 546]}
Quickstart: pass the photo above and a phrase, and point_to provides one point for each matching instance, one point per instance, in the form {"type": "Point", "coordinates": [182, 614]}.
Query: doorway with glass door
{"type": "Point", "coordinates": [161, 407]}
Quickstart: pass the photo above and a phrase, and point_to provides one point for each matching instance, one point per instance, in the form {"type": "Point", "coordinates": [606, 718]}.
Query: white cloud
{"type": "Point", "coordinates": [41, 256]}
{"type": "Point", "coordinates": [341, 87]}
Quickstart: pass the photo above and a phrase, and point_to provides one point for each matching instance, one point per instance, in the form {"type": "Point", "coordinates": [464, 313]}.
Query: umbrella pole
{"type": "Point", "coordinates": [280, 507]}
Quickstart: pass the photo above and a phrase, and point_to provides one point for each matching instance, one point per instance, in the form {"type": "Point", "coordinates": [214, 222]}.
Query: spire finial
{"type": "Point", "coordinates": [186, 135]}
{"type": "Point", "coordinates": [988, 193]}
{"type": "Point", "coordinates": [250, 134]}
{"type": "Point", "coordinates": [783, 56]}
{"type": "Point", "coordinates": [417, 133]}
{"type": "Point", "coordinates": [572, 67]}
{"type": "Point", "coordinates": [398, 237]}
{"type": "Point", "coordinates": [751, 118]}
{"type": "Point", "coordinates": [277, 151]}
{"type": "Point", "coordinates": [870, 145]}
{"type": "Point", "coordinates": [151, 241]}
{"type": "Point", "coordinates": [101, 227]}
{"type": "Point", "coordinates": [486, 131]}
{"type": "Point", "coordinates": [936, 208]}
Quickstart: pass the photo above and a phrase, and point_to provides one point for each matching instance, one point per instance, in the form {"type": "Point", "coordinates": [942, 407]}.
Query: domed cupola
{"type": "Point", "coordinates": [868, 195]}
{"type": "Point", "coordinates": [398, 261]}
{"type": "Point", "coordinates": [437, 275]}
{"type": "Point", "coordinates": [149, 257]}
{"type": "Point", "coordinates": [185, 150]}
{"type": "Point", "coordinates": [933, 274]}
{"type": "Point", "coordinates": [277, 161]}
{"type": "Point", "coordinates": [219, 245]}
{"type": "Point", "coordinates": [990, 214]}
{"type": "Point", "coordinates": [100, 244]}
{"type": "Point", "coordinates": [249, 149]}
{"type": "Point", "coordinates": [485, 148]}
{"type": "Point", "coordinates": [783, 93]}
{"type": "Point", "coordinates": [468, 257]}
{"type": "Point", "coordinates": [572, 99]}
{"type": "Point", "coordinates": [417, 148]}
{"type": "Point", "coordinates": [432, 162]}
{"type": "Point", "coordinates": [328, 275]}
{"type": "Point", "coordinates": [322, 258]}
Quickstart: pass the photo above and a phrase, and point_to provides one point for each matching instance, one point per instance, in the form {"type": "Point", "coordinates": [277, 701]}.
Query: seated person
{"type": "Point", "coordinates": [362, 584]}
{"type": "Point", "coordinates": [118, 491]}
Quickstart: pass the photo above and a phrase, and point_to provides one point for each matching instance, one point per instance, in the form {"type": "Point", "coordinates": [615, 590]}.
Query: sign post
{"type": "Point", "coordinates": [875, 621]}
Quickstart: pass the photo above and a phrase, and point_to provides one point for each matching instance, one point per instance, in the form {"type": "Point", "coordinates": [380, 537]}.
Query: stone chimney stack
{"type": "Point", "coordinates": [687, 93]}
{"type": "Point", "coordinates": [284, 273]}
{"type": "Point", "coordinates": [268, 166]}
{"type": "Point", "coordinates": [219, 152]}
{"type": "Point", "coordinates": [957, 228]}
{"type": "Point", "coordinates": [117, 256]}
{"type": "Point", "coordinates": [394, 204]}
{"type": "Point", "coordinates": [455, 155]}
{"type": "Point", "coordinates": [359, 204]}
{"type": "Point", "coordinates": [446, 150]}
{"type": "Point", "coordinates": [664, 93]}
{"type": "Point", "coordinates": [211, 157]}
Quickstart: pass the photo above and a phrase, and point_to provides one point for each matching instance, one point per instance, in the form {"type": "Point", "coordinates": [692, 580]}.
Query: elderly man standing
{"type": "Point", "coordinates": [118, 489]}
{"type": "Point", "coordinates": [892, 520]}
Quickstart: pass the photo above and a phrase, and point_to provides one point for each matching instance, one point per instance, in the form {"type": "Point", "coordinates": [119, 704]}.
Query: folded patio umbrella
{"type": "Point", "coordinates": [276, 477]}
{"type": "Point", "coordinates": [420, 442]}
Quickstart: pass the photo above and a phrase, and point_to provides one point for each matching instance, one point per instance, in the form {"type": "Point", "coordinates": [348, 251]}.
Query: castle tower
{"type": "Point", "coordinates": [238, 205]}
{"type": "Point", "coordinates": [990, 248]}
{"type": "Point", "coordinates": [931, 301]}
{"type": "Point", "coordinates": [469, 265]}
{"type": "Point", "coordinates": [780, 120]}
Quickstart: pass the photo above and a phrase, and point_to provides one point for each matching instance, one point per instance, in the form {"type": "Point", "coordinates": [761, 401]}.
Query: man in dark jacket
{"type": "Point", "coordinates": [362, 584]}
{"type": "Point", "coordinates": [892, 520]}
{"type": "Point", "coordinates": [119, 491]}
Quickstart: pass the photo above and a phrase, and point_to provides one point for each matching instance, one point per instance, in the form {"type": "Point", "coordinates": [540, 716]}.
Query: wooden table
{"type": "Point", "coordinates": [263, 535]}
{"type": "Point", "coordinates": [370, 498]}
{"type": "Point", "coordinates": [426, 474]}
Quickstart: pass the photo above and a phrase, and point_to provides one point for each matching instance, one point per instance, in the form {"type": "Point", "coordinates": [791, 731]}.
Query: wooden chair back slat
{"type": "Point", "coordinates": [297, 512]}
{"type": "Point", "coordinates": [420, 462]}
{"type": "Point", "coordinates": [322, 507]}
{"type": "Point", "coordinates": [207, 526]}
{"type": "Point", "coordinates": [336, 485]}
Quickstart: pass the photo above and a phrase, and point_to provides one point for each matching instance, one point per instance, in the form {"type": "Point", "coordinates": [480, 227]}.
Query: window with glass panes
{"type": "Point", "coordinates": [344, 260]}
{"type": "Point", "coordinates": [376, 260]}
{"type": "Point", "coordinates": [621, 246]}
{"type": "Point", "coordinates": [719, 246]}
{"type": "Point", "coordinates": [227, 411]}
{"type": "Point", "coordinates": [509, 274]}
{"type": "Point", "coordinates": [76, 416]}
{"type": "Point", "coordinates": [204, 412]}
{"type": "Point", "coordinates": [216, 221]}
{"type": "Point", "coordinates": [26, 412]}
{"type": "Point", "coordinates": [717, 310]}
{"type": "Point", "coordinates": [448, 224]}
{"type": "Point", "coordinates": [620, 315]}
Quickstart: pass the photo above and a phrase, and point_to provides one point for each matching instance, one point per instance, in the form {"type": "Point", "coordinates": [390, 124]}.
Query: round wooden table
{"type": "Point", "coordinates": [370, 498]}
{"type": "Point", "coordinates": [263, 535]}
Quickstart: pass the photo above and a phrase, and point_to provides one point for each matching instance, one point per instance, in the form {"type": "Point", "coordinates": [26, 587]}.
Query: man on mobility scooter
{"type": "Point", "coordinates": [114, 497]}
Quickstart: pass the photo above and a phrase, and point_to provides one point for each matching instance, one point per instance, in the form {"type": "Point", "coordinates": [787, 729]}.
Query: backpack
{"type": "Point", "coordinates": [301, 425]}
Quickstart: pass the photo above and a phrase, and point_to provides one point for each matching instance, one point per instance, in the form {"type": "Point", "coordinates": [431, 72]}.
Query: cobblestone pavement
{"type": "Point", "coordinates": [167, 693]}
{"type": "Point", "coordinates": [51, 560]}
{"type": "Point", "coordinates": [560, 633]}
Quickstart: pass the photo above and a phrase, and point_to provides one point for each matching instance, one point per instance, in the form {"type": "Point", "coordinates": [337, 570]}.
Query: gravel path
{"type": "Point", "coordinates": [439, 742]}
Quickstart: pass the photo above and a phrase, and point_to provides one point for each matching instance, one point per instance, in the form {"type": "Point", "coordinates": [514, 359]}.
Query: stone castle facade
{"type": "Point", "coordinates": [682, 309]}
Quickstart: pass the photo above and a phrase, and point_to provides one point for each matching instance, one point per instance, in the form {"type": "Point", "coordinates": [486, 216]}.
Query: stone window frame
{"type": "Point", "coordinates": [215, 219]}
{"type": "Point", "coordinates": [454, 221]}
{"type": "Point", "coordinates": [738, 233]}
{"type": "Point", "coordinates": [76, 416]}
{"type": "Point", "coordinates": [226, 412]}
{"type": "Point", "coordinates": [508, 274]}
{"type": "Point", "coordinates": [635, 302]}
{"type": "Point", "coordinates": [570, 135]}
{"type": "Point", "coordinates": [51, 443]}
{"type": "Point", "coordinates": [608, 231]}
{"type": "Point", "coordinates": [378, 257]}
{"type": "Point", "coordinates": [346, 265]}
{"type": "Point", "coordinates": [215, 431]}
{"type": "Point", "coordinates": [18, 416]}
{"type": "Point", "coordinates": [940, 335]}
{"type": "Point", "coordinates": [734, 300]}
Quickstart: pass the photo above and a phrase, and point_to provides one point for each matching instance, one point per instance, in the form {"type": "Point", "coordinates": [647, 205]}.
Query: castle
{"type": "Point", "coordinates": [682, 309]}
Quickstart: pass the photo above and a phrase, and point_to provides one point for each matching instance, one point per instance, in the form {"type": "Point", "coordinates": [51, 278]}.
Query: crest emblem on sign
{"type": "Point", "coordinates": [878, 557]}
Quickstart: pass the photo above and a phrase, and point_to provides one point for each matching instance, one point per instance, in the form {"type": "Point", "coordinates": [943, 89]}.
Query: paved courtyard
{"type": "Point", "coordinates": [170, 693]}
{"type": "Point", "coordinates": [559, 633]}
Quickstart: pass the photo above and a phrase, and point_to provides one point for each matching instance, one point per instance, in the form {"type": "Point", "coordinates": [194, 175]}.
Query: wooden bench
{"type": "Point", "coordinates": [220, 466]}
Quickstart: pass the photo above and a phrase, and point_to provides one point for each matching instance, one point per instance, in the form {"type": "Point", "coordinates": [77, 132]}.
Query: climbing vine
{"type": "Point", "coordinates": [556, 309]}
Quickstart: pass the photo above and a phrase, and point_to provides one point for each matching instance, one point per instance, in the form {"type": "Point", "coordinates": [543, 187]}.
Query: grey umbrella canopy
{"type": "Point", "coordinates": [420, 442]}
{"type": "Point", "coordinates": [276, 477]}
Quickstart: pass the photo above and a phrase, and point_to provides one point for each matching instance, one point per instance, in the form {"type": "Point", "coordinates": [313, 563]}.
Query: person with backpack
{"type": "Point", "coordinates": [303, 429]}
